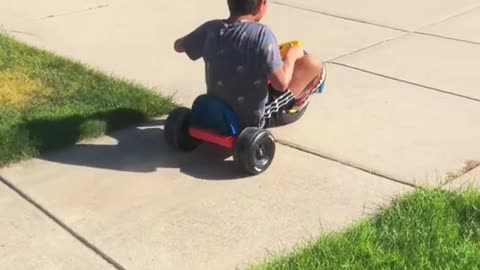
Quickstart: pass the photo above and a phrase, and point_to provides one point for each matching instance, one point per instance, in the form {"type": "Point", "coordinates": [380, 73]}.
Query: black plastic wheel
{"type": "Point", "coordinates": [254, 150]}
{"type": "Point", "coordinates": [176, 130]}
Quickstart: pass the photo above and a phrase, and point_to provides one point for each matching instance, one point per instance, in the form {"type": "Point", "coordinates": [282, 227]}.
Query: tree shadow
{"type": "Point", "coordinates": [141, 149]}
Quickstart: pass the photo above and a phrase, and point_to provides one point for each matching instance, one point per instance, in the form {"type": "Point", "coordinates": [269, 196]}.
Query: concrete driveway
{"type": "Point", "coordinates": [400, 110]}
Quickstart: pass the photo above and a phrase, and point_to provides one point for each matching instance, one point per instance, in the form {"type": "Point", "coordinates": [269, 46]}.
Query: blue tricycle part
{"type": "Point", "coordinates": [209, 112]}
{"type": "Point", "coordinates": [321, 88]}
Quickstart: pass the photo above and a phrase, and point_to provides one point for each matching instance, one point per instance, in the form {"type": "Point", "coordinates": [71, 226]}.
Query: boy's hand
{"type": "Point", "coordinates": [178, 45]}
{"type": "Point", "coordinates": [281, 78]}
{"type": "Point", "coordinates": [294, 53]}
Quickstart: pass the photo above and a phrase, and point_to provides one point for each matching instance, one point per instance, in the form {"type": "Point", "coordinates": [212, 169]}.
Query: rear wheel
{"type": "Point", "coordinates": [254, 150]}
{"type": "Point", "coordinates": [176, 130]}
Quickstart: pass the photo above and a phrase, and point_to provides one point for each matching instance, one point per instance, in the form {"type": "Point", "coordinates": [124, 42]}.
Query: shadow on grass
{"type": "Point", "coordinates": [56, 133]}
{"type": "Point", "coordinates": [139, 149]}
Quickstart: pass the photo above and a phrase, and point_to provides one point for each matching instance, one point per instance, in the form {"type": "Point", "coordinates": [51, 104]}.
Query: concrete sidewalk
{"type": "Point", "coordinates": [30, 240]}
{"type": "Point", "coordinates": [149, 207]}
{"type": "Point", "coordinates": [400, 109]}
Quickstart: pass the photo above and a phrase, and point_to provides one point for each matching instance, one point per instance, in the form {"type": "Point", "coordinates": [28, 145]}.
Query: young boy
{"type": "Point", "coordinates": [244, 67]}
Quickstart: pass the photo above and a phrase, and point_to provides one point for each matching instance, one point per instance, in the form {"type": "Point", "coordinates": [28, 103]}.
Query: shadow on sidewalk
{"type": "Point", "coordinates": [143, 150]}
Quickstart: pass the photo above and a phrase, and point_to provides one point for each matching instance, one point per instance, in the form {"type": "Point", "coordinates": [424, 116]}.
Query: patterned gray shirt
{"type": "Point", "coordinates": [238, 58]}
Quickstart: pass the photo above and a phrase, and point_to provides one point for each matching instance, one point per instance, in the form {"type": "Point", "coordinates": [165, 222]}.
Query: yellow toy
{"type": "Point", "coordinates": [285, 46]}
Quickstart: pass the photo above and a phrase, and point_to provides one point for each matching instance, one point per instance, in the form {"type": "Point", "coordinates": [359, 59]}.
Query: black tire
{"type": "Point", "coordinates": [286, 118]}
{"type": "Point", "coordinates": [176, 130]}
{"type": "Point", "coordinates": [254, 150]}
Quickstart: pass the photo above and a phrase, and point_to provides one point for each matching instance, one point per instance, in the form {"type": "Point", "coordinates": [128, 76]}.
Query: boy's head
{"type": "Point", "coordinates": [256, 8]}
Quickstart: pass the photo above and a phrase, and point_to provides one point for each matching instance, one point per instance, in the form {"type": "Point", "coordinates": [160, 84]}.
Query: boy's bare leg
{"type": "Point", "coordinates": [306, 75]}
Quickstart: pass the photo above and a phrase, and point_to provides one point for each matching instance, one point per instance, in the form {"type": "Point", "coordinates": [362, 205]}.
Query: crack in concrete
{"type": "Point", "coordinates": [74, 12]}
{"type": "Point", "coordinates": [60, 223]}
{"type": "Point", "coordinates": [13, 31]}
{"type": "Point", "coordinates": [51, 16]}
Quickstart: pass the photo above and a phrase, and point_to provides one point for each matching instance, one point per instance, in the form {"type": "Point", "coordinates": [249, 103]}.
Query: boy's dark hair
{"type": "Point", "coordinates": [242, 7]}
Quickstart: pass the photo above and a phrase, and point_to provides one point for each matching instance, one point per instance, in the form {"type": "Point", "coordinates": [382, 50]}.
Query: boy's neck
{"type": "Point", "coordinates": [245, 18]}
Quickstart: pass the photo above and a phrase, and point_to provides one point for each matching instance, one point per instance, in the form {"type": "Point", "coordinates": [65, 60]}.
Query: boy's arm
{"type": "Point", "coordinates": [281, 78]}
{"type": "Point", "coordinates": [279, 72]}
{"type": "Point", "coordinates": [192, 44]}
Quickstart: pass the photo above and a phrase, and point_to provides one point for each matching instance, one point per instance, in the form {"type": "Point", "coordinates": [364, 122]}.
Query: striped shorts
{"type": "Point", "coordinates": [280, 108]}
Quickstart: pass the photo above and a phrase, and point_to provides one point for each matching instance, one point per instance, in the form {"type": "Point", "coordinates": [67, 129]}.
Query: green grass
{"type": "Point", "coordinates": [49, 102]}
{"type": "Point", "coordinates": [427, 229]}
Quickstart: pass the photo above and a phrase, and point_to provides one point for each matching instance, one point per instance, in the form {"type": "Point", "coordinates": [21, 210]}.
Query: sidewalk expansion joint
{"type": "Point", "coordinates": [444, 37]}
{"type": "Point", "coordinates": [455, 176]}
{"type": "Point", "coordinates": [405, 81]}
{"type": "Point", "coordinates": [406, 32]}
{"type": "Point", "coordinates": [56, 220]}
{"type": "Point", "coordinates": [281, 3]}
{"type": "Point", "coordinates": [453, 16]}
{"type": "Point", "coordinates": [345, 163]}
{"type": "Point", "coordinates": [366, 48]}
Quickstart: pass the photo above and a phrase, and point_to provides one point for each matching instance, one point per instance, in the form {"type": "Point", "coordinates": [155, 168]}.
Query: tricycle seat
{"type": "Point", "coordinates": [211, 114]}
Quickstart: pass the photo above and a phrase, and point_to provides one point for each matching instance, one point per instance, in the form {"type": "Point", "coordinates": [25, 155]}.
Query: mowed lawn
{"type": "Point", "coordinates": [48, 102]}
{"type": "Point", "coordinates": [427, 229]}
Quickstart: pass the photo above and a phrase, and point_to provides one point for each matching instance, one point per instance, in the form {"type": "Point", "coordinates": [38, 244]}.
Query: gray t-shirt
{"type": "Point", "coordinates": [238, 58]}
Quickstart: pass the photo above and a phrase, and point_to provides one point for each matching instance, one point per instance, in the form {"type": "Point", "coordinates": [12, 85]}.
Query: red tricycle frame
{"type": "Point", "coordinates": [213, 137]}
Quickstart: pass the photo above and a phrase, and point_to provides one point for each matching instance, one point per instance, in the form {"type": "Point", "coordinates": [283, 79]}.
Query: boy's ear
{"type": "Point", "coordinates": [259, 5]}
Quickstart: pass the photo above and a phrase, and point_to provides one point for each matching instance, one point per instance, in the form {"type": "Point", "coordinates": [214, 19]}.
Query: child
{"type": "Point", "coordinates": [244, 67]}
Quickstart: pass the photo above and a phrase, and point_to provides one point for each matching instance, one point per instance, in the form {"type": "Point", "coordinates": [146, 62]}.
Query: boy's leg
{"type": "Point", "coordinates": [306, 75]}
